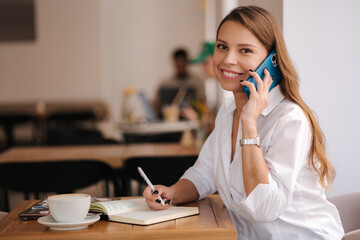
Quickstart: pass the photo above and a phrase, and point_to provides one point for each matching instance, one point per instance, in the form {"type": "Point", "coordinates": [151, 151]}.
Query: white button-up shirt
{"type": "Point", "coordinates": [293, 205]}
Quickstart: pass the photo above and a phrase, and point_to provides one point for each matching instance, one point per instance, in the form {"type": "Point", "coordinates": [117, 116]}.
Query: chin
{"type": "Point", "coordinates": [231, 86]}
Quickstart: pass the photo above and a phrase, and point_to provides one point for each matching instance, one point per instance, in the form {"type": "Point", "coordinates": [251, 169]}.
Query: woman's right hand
{"type": "Point", "coordinates": [152, 198]}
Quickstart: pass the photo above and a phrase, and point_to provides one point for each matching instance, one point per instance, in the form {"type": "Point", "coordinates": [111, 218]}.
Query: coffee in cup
{"type": "Point", "coordinates": [171, 113]}
{"type": "Point", "coordinates": [68, 208]}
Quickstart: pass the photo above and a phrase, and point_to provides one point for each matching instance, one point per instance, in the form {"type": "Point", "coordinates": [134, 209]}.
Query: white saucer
{"type": "Point", "coordinates": [50, 222]}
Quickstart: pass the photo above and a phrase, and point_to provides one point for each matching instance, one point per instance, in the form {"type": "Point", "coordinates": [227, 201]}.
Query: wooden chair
{"type": "Point", "coordinates": [60, 177]}
{"type": "Point", "coordinates": [160, 170]}
{"type": "Point", "coordinates": [73, 128]}
{"type": "Point", "coordinates": [9, 121]}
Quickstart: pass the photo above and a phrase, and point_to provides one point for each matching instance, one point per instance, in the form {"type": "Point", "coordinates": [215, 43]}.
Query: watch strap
{"type": "Point", "coordinates": [251, 141]}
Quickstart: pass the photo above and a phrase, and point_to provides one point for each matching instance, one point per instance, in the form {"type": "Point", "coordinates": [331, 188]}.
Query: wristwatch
{"type": "Point", "coordinates": [251, 141]}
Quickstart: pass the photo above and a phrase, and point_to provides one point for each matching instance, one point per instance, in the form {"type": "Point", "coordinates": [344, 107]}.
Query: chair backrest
{"type": "Point", "coordinates": [348, 206]}
{"type": "Point", "coordinates": [153, 138]}
{"type": "Point", "coordinates": [160, 170]}
{"type": "Point", "coordinates": [71, 117]}
{"type": "Point", "coordinates": [58, 176]}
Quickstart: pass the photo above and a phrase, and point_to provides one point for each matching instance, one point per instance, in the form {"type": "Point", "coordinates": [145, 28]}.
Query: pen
{"type": "Point", "coordinates": [38, 207]}
{"type": "Point", "coordinates": [149, 183]}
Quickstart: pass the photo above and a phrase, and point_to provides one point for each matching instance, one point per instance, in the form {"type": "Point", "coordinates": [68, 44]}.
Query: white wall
{"type": "Point", "coordinates": [323, 39]}
{"type": "Point", "coordinates": [62, 63]}
{"type": "Point", "coordinates": [274, 6]}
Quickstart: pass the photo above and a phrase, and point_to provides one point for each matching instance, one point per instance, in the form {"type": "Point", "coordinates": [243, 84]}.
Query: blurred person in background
{"type": "Point", "coordinates": [192, 86]}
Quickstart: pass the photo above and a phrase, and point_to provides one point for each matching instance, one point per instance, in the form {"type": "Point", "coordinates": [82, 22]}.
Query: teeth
{"type": "Point", "coordinates": [230, 74]}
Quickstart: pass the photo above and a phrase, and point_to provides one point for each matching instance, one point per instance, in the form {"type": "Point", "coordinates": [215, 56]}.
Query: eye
{"type": "Point", "coordinates": [246, 50]}
{"type": "Point", "coordinates": [221, 46]}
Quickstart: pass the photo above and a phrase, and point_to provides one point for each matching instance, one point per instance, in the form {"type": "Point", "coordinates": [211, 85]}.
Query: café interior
{"type": "Point", "coordinates": [79, 83]}
{"type": "Point", "coordinates": [79, 86]}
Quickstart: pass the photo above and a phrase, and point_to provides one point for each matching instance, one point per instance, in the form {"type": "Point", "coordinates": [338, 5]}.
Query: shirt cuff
{"type": "Point", "coordinates": [197, 183]}
{"type": "Point", "coordinates": [265, 202]}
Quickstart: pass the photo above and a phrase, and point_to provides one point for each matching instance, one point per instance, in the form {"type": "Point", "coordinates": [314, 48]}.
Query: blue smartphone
{"type": "Point", "coordinates": [270, 62]}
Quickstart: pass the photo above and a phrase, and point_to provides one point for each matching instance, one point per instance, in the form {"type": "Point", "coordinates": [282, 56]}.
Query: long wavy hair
{"type": "Point", "coordinates": [266, 28]}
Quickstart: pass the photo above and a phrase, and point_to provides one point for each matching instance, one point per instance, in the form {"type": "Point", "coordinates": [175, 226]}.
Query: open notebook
{"type": "Point", "coordinates": [136, 211]}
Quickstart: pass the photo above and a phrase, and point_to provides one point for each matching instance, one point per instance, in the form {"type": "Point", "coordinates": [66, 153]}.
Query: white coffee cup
{"type": "Point", "coordinates": [68, 208]}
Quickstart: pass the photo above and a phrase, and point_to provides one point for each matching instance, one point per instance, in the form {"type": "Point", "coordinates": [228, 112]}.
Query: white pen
{"type": "Point", "coordinates": [149, 183]}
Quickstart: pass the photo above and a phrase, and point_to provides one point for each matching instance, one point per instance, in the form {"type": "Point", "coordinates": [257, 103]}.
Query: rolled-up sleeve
{"type": "Point", "coordinates": [286, 154]}
{"type": "Point", "coordinates": [202, 173]}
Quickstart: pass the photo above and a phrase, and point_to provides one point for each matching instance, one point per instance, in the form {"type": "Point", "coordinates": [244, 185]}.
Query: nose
{"type": "Point", "coordinates": [230, 58]}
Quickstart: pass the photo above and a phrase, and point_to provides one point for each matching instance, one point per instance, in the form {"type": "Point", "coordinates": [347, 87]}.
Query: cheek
{"type": "Point", "coordinates": [216, 58]}
{"type": "Point", "coordinates": [250, 64]}
{"type": "Point", "coordinates": [214, 65]}
{"type": "Point", "coordinates": [253, 64]}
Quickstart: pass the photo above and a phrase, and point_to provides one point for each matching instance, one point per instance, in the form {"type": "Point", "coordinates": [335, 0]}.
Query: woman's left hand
{"type": "Point", "coordinates": [258, 100]}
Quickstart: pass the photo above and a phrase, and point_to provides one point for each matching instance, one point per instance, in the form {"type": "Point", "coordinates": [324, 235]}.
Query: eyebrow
{"type": "Point", "coordinates": [240, 44]}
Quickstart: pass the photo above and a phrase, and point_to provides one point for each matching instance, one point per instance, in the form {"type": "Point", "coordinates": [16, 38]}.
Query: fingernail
{"type": "Point", "coordinates": [158, 201]}
{"type": "Point", "coordinates": [251, 70]}
{"type": "Point", "coordinates": [155, 192]}
{"type": "Point", "coordinates": [167, 201]}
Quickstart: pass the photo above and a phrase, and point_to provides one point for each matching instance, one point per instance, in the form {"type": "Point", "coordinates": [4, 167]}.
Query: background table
{"type": "Point", "coordinates": [114, 155]}
{"type": "Point", "coordinates": [158, 127]}
{"type": "Point", "coordinates": [213, 222]}
{"type": "Point", "coordinates": [158, 131]}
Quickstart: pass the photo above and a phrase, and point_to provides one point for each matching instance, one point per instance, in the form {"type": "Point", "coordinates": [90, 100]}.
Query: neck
{"type": "Point", "coordinates": [182, 75]}
{"type": "Point", "coordinates": [240, 100]}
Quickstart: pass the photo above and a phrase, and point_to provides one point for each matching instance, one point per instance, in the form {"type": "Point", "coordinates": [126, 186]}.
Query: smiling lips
{"type": "Point", "coordinates": [230, 74]}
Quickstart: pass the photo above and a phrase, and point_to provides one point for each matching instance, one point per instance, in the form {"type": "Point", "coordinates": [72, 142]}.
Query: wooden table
{"type": "Point", "coordinates": [114, 155]}
{"type": "Point", "coordinates": [213, 222]}
{"type": "Point", "coordinates": [44, 109]}
{"type": "Point", "coordinates": [149, 128]}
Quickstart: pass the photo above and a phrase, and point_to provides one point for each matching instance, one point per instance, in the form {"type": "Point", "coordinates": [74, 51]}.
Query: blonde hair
{"type": "Point", "coordinates": [265, 27]}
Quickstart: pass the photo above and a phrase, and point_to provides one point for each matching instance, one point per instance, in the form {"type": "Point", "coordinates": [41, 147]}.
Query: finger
{"type": "Point", "coordinates": [267, 79]}
{"type": "Point", "coordinates": [251, 87]}
{"type": "Point", "coordinates": [147, 192]}
{"type": "Point", "coordinates": [162, 191]}
{"type": "Point", "coordinates": [151, 195]}
{"type": "Point", "coordinates": [167, 201]}
{"type": "Point", "coordinates": [259, 82]}
{"type": "Point", "coordinates": [156, 205]}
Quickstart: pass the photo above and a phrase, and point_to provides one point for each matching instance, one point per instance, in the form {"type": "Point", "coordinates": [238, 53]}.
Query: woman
{"type": "Point", "coordinates": [272, 191]}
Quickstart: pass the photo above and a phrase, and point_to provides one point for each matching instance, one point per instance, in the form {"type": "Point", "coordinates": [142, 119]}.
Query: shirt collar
{"type": "Point", "coordinates": [275, 97]}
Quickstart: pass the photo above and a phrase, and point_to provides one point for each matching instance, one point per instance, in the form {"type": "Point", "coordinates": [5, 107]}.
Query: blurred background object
{"type": "Point", "coordinates": [49, 177]}
{"type": "Point", "coordinates": [213, 91]}
{"type": "Point", "coordinates": [17, 20]}
{"type": "Point", "coordinates": [54, 123]}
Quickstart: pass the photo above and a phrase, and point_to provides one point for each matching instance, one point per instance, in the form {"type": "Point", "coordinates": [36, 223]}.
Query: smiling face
{"type": "Point", "coordinates": [237, 50]}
